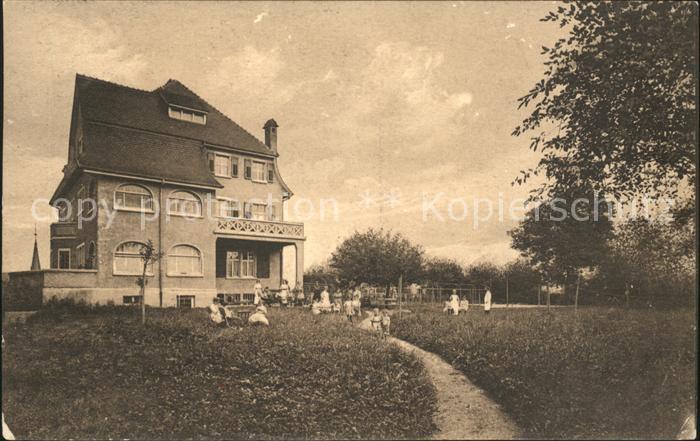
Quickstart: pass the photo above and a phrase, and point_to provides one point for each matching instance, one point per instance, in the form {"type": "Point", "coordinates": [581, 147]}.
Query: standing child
{"type": "Point", "coordinates": [337, 300]}
{"type": "Point", "coordinates": [386, 323]}
{"type": "Point", "coordinates": [376, 321]}
{"type": "Point", "coordinates": [349, 310]}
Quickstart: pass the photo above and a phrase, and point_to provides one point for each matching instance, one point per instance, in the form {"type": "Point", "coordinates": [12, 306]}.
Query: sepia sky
{"type": "Point", "coordinates": [381, 106]}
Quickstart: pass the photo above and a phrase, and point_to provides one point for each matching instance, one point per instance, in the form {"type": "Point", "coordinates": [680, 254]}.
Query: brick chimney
{"type": "Point", "coordinates": [271, 134]}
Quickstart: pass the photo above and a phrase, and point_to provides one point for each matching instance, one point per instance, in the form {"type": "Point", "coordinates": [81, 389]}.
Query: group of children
{"type": "Point", "coordinates": [381, 322]}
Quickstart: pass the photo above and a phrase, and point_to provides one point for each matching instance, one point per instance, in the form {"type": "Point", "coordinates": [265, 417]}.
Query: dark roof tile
{"type": "Point", "coordinates": [112, 103]}
{"type": "Point", "coordinates": [144, 154]}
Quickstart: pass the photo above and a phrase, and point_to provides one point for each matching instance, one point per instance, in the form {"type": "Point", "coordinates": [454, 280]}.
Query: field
{"type": "Point", "coordinates": [95, 373]}
{"type": "Point", "coordinates": [597, 374]}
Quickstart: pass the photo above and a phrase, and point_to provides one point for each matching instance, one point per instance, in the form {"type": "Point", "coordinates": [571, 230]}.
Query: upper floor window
{"type": "Point", "coordinates": [63, 211]}
{"type": "Point", "coordinates": [133, 197]}
{"type": "Point", "coordinates": [229, 208]}
{"type": "Point", "coordinates": [223, 165]}
{"type": "Point", "coordinates": [184, 203]}
{"type": "Point", "coordinates": [184, 260]}
{"type": "Point", "coordinates": [187, 115]}
{"type": "Point", "coordinates": [128, 261]}
{"type": "Point", "coordinates": [259, 171]}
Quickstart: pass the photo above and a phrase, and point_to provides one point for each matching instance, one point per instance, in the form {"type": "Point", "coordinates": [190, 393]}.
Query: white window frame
{"type": "Point", "coordinates": [188, 296]}
{"type": "Point", "coordinates": [251, 261]}
{"type": "Point", "coordinates": [80, 255]}
{"type": "Point", "coordinates": [185, 114]}
{"type": "Point", "coordinates": [264, 211]}
{"type": "Point", "coordinates": [143, 209]}
{"type": "Point", "coordinates": [137, 296]}
{"type": "Point", "coordinates": [253, 177]}
{"type": "Point", "coordinates": [149, 269]}
{"type": "Point", "coordinates": [227, 174]}
{"type": "Point", "coordinates": [58, 257]}
{"type": "Point", "coordinates": [180, 213]}
{"type": "Point", "coordinates": [171, 266]}
{"type": "Point", "coordinates": [221, 200]}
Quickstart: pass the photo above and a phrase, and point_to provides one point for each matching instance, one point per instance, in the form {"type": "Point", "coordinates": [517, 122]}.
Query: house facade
{"type": "Point", "coordinates": [166, 166]}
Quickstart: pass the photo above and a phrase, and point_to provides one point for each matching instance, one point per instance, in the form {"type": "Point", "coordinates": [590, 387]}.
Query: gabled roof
{"type": "Point", "coordinates": [110, 103]}
{"type": "Point", "coordinates": [144, 154]}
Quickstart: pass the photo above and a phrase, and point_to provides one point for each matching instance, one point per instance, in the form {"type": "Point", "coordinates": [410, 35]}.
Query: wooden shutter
{"type": "Point", "coordinates": [212, 159]}
{"type": "Point", "coordinates": [248, 169]}
{"type": "Point", "coordinates": [234, 166]}
{"type": "Point", "coordinates": [262, 260]}
{"type": "Point", "coordinates": [270, 172]}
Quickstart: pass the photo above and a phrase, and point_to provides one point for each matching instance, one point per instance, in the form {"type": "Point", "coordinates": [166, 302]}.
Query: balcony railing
{"type": "Point", "coordinates": [64, 229]}
{"type": "Point", "coordinates": [260, 228]}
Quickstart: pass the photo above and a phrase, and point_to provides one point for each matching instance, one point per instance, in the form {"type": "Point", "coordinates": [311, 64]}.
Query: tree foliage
{"type": "Point", "coordinates": [561, 237]}
{"type": "Point", "coordinates": [377, 257]}
{"type": "Point", "coordinates": [615, 110]}
{"type": "Point", "coordinates": [440, 271]}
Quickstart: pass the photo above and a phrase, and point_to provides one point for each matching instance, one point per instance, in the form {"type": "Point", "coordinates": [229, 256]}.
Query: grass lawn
{"type": "Point", "coordinates": [602, 374]}
{"type": "Point", "coordinates": [86, 373]}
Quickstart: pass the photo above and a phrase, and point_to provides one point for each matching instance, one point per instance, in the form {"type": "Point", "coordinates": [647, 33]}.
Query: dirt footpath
{"type": "Point", "coordinates": [464, 411]}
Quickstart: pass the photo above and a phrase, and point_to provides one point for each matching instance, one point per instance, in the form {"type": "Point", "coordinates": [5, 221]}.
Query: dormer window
{"type": "Point", "coordinates": [188, 115]}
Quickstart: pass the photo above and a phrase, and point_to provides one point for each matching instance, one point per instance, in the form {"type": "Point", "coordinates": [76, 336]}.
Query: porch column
{"type": "Point", "coordinates": [299, 247]}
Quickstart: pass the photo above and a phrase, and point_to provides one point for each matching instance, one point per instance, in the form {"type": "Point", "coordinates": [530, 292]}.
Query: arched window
{"type": "Point", "coordinates": [184, 203]}
{"type": "Point", "coordinates": [133, 197]}
{"type": "Point", "coordinates": [184, 260]}
{"type": "Point", "coordinates": [91, 259]}
{"type": "Point", "coordinates": [127, 260]}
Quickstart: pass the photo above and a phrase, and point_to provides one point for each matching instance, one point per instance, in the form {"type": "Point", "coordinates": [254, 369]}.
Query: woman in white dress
{"type": "Point", "coordinates": [325, 303]}
{"type": "Point", "coordinates": [454, 302]}
{"type": "Point", "coordinates": [257, 288]}
{"type": "Point", "coordinates": [284, 293]}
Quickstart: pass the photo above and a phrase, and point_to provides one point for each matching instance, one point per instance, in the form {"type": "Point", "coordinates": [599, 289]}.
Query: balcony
{"type": "Point", "coordinates": [260, 228]}
{"type": "Point", "coordinates": [63, 230]}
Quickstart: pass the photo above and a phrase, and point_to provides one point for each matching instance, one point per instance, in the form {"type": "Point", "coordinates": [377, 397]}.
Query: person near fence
{"type": "Point", "coordinates": [464, 304]}
{"type": "Point", "coordinates": [487, 301]}
{"type": "Point", "coordinates": [454, 302]}
{"type": "Point", "coordinates": [266, 297]}
{"type": "Point", "coordinates": [338, 300]}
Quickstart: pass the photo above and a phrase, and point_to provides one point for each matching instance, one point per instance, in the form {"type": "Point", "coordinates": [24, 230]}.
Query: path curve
{"type": "Point", "coordinates": [463, 410]}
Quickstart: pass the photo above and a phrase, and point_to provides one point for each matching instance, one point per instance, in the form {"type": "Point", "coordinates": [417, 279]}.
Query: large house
{"type": "Point", "coordinates": [166, 166]}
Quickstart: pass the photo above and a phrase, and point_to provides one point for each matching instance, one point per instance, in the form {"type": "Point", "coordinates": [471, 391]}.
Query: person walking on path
{"type": "Point", "coordinates": [454, 302]}
{"type": "Point", "coordinates": [487, 301]}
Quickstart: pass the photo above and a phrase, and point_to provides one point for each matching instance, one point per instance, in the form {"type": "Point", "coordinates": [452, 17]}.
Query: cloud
{"type": "Point", "coordinates": [510, 25]}
{"type": "Point", "coordinates": [259, 17]}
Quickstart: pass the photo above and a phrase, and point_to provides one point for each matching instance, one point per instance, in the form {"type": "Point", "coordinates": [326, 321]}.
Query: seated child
{"type": "Point", "coordinates": [259, 317]}
{"type": "Point", "coordinates": [376, 321]}
{"type": "Point", "coordinates": [386, 323]}
{"type": "Point", "coordinates": [448, 307]}
{"type": "Point", "coordinates": [464, 305]}
{"type": "Point", "coordinates": [349, 310]}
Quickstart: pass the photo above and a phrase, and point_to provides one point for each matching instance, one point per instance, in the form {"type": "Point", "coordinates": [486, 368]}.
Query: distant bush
{"type": "Point", "coordinates": [608, 373]}
{"type": "Point", "coordinates": [86, 372]}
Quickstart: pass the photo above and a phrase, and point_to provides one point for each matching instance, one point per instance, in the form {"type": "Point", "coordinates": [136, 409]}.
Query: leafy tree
{"type": "Point", "coordinates": [523, 281]}
{"type": "Point", "coordinates": [377, 257]}
{"type": "Point", "coordinates": [616, 110]}
{"type": "Point", "coordinates": [561, 237]}
{"type": "Point", "coordinates": [439, 271]}
{"type": "Point", "coordinates": [650, 259]}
